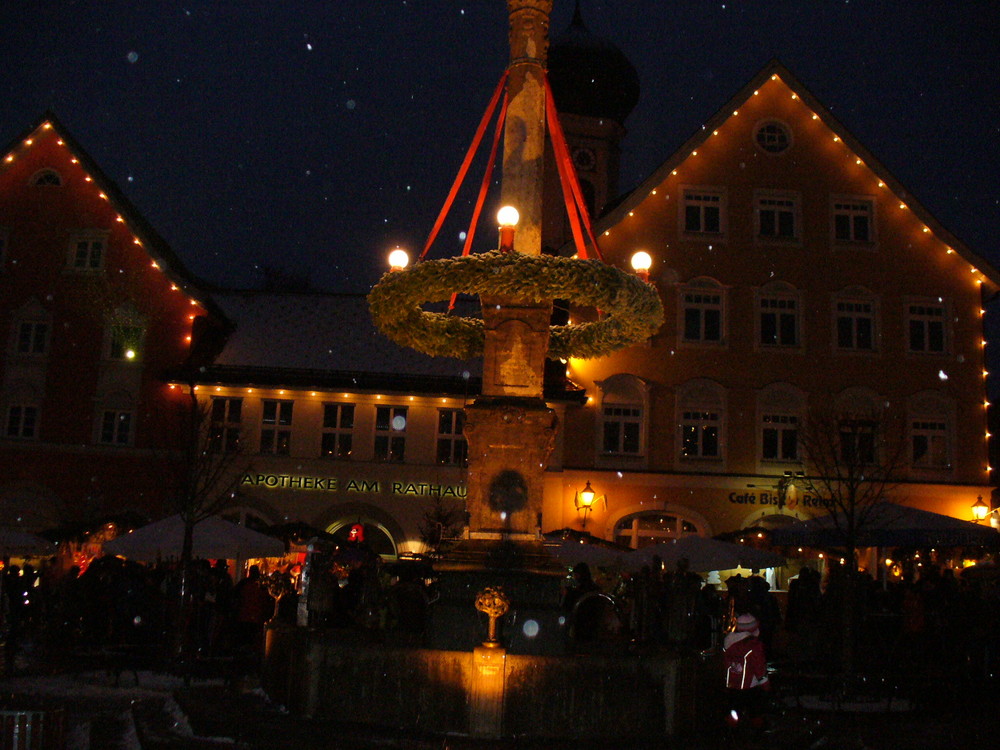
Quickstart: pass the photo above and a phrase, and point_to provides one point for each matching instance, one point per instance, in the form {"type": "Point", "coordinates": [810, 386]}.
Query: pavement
{"type": "Point", "coordinates": [110, 708]}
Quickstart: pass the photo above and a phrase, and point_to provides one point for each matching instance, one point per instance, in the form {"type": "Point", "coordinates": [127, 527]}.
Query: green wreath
{"type": "Point", "coordinates": [631, 308]}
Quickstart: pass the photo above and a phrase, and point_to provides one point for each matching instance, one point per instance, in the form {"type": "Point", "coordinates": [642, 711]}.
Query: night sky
{"type": "Point", "coordinates": [314, 135]}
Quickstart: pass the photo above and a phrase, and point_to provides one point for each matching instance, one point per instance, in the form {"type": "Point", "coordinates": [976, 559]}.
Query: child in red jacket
{"type": "Point", "coordinates": [746, 673]}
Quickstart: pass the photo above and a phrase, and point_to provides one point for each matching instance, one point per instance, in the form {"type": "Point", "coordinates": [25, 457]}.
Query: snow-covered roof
{"type": "Point", "coordinates": [320, 332]}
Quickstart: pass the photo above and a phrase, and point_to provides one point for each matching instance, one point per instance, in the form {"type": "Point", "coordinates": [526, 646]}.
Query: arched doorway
{"type": "Point", "coordinates": [374, 534]}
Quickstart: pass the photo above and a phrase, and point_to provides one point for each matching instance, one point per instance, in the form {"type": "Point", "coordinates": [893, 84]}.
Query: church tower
{"type": "Point", "coordinates": [595, 88]}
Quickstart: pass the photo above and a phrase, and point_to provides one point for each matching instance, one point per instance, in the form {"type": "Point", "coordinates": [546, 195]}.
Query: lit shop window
{"type": "Point", "coordinates": [451, 446]}
{"type": "Point", "coordinates": [226, 425]}
{"type": "Point", "coordinates": [390, 433]}
{"type": "Point", "coordinates": [338, 431]}
{"type": "Point", "coordinates": [275, 430]}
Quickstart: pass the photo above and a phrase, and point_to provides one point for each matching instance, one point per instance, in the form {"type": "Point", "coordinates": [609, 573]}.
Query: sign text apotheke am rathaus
{"type": "Point", "coordinates": [333, 484]}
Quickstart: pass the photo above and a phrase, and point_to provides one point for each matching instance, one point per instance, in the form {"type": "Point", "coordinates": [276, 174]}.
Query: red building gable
{"type": "Point", "coordinates": [94, 307]}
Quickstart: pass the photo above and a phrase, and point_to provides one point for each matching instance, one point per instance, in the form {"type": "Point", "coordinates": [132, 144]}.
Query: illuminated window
{"type": "Point", "coordinates": [652, 527]}
{"type": "Point", "coordinates": [226, 425]}
{"type": "Point", "coordinates": [390, 433]}
{"type": "Point", "coordinates": [702, 312]}
{"type": "Point", "coordinates": [338, 431]}
{"type": "Point", "coordinates": [451, 446]}
{"type": "Point", "coordinates": [276, 422]}
{"type": "Point", "coordinates": [87, 253]}
{"type": "Point", "coordinates": [778, 316]}
{"type": "Point", "coordinates": [116, 427]}
{"type": "Point", "coordinates": [777, 216]}
{"type": "Point", "coordinates": [32, 337]}
{"type": "Point", "coordinates": [855, 322]}
{"type": "Point", "coordinates": [773, 137]}
{"type": "Point", "coordinates": [853, 221]}
{"type": "Point", "coordinates": [704, 212]}
{"type": "Point", "coordinates": [926, 324]}
{"type": "Point", "coordinates": [22, 421]}
{"type": "Point", "coordinates": [46, 177]}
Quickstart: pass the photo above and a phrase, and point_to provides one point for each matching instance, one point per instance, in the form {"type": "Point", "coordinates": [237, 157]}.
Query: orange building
{"type": "Point", "coordinates": [795, 272]}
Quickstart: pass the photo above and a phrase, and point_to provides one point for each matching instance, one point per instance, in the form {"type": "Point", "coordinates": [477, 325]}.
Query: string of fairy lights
{"type": "Point", "coordinates": [46, 128]}
{"type": "Point", "coordinates": [851, 156]}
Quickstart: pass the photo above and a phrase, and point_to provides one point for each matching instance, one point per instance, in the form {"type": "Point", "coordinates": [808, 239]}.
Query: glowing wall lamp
{"type": "Point", "coordinates": [507, 218]}
{"type": "Point", "coordinates": [584, 502]}
{"type": "Point", "coordinates": [641, 262]}
{"type": "Point", "coordinates": [980, 509]}
{"type": "Point", "coordinates": [398, 259]}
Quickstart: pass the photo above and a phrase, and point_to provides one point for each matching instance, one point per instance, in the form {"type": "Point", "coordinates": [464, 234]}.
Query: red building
{"type": "Point", "coordinates": [94, 307]}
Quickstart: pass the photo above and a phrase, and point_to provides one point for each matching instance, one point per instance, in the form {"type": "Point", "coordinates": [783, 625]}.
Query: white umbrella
{"type": "Point", "coordinates": [17, 543]}
{"type": "Point", "coordinates": [213, 538]}
{"type": "Point", "coordinates": [704, 554]}
{"type": "Point", "coordinates": [571, 552]}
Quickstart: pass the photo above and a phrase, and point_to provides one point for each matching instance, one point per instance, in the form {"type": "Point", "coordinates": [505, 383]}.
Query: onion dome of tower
{"type": "Point", "coordinates": [589, 75]}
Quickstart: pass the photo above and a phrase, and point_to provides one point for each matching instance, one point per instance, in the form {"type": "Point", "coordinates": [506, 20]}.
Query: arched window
{"type": "Point", "coordinates": [930, 425]}
{"type": "Point", "coordinates": [779, 417]}
{"type": "Point", "coordinates": [652, 527]}
{"type": "Point", "coordinates": [624, 414]}
{"type": "Point", "coordinates": [46, 177]}
{"type": "Point", "coordinates": [701, 421]}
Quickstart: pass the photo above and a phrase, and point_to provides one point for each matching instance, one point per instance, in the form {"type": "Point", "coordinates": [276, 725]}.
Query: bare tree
{"type": "Point", "coordinates": [854, 459]}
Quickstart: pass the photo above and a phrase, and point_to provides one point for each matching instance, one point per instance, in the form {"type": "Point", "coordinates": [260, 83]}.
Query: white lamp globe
{"type": "Point", "coordinates": [508, 216]}
{"type": "Point", "coordinates": [641, 261]}
{"type": "Point", "coordinates": [399, 258]}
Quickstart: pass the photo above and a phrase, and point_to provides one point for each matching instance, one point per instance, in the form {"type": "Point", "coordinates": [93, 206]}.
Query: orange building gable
{"type": "Point", "coordinates": [94, 307]}
{"type": "Point", "coordinates": [795, 272]}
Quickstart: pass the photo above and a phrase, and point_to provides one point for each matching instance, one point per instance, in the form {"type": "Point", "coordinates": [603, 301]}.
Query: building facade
{"type": "Point", "coordinates": [794, 270]}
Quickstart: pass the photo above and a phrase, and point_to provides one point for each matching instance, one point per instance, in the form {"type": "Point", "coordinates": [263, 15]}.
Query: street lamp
{"type": "Point", "coordinates": [585, 501]}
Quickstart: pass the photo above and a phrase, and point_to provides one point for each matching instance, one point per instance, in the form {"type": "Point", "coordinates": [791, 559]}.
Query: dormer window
{"type": "Point", "coordinates": [46, 177]}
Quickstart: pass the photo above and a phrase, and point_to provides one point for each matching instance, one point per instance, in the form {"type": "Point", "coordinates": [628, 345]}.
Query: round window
{"type": "Point", "coordinates": [773, 137]}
